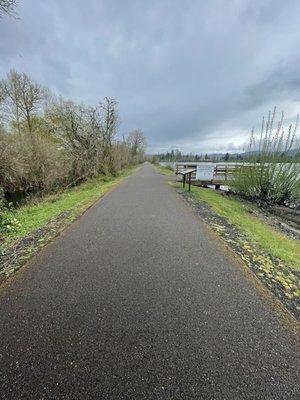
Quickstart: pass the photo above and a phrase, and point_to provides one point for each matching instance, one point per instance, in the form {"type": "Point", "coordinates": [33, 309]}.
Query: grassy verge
{"type": "Point", "coordinates": [241, 215]}
{"type": "Point", "coordinates": [164, 170]}
{"type": "Point", "coordinates": [76, 200]}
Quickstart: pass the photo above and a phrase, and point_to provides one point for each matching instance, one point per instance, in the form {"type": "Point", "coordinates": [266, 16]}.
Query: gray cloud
{"type": "Point", "coordinates": [192, 74]}
{"type": "Point", "coordinates": [282, 82]}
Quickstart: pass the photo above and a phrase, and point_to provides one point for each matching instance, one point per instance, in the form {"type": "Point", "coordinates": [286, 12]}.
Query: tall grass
{"type": "Point", "coordinates": [270, 173]}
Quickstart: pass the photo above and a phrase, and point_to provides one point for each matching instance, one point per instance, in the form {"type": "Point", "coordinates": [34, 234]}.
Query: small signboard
{"type": "Point", "coordinates": [205, 172]}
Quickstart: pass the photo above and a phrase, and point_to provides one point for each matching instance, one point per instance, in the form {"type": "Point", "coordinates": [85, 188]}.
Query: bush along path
{"type": "Point", "coordinates": [35, 225]}
{"type": "Point", "coordinates": [282, 281]}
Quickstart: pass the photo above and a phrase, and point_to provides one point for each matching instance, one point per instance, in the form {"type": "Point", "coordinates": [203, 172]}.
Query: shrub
{"type": "Point", "coordinates": [270, 172]}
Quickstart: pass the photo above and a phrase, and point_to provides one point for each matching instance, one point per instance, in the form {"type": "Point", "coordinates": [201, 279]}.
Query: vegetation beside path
{"type": "Point", "coordinates": [164, 170]}
{"type": "Point", "coordinates": [246, 217]}
{"type": "Point", "coordinates": [34, 224]}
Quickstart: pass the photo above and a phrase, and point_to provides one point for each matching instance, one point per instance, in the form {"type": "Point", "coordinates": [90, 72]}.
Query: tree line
{"type": "Point", "coordinates": [178, 156]}
{"type": "Point", "coordinates": [48, 142]}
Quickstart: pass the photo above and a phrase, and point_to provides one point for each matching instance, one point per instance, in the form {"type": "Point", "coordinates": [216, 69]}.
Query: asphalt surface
{"type": "Point", "coordinates": [138, 301]}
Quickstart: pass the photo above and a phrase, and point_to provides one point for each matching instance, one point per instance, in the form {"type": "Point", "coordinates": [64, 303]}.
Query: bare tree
{"type": "Point", "coordinates": [109, 123]}
{"type": "Point", "coordinates": [10, 95]}
{"type": "Point", "coordinates": [7, 7]}
{"type": "Point", "coordinates": [78, 129]}
{"type": "Point", "coordinates": [22, 98]}
{"type": "Point", "coordinates": [137, 142]}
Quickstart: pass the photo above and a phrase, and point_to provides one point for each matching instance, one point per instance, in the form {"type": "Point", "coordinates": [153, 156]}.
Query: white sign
{"type": "Point", "coordinates": [205, 172]}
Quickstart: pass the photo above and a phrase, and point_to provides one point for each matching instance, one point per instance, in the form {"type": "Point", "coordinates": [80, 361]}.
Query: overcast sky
{"type": "Point", "coordinates": [195, 75]}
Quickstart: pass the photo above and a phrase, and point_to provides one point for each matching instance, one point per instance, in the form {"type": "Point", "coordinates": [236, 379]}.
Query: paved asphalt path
{"type": "Point", "coordinates": [137, 301]}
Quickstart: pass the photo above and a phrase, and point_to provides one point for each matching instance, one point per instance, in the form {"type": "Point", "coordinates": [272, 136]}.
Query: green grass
{"type": "Point", "coordinates": [77, 199]}
{"type": "Point", "coordinates": [239, 213]}
{"type": "Point", "coordinates": [164, 170]}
